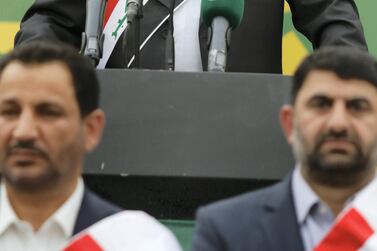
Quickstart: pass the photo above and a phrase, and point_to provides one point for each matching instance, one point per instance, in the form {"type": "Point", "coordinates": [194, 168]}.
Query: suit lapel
{"type": "Point", "coordinates": [86, 216]}
{"type": "Point", "coordinates": [92, 210]}
{"type": "Point", "coordinates": [280, 223]}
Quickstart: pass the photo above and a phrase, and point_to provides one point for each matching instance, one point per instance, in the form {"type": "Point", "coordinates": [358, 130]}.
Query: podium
{"type": "Point", "coordinates": [176, 140]}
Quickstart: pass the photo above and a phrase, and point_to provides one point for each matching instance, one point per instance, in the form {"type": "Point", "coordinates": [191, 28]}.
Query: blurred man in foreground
{"type": "Point", "coordinates": [49, 120]}
{"type": "Point", "coordinates": [332, 128]}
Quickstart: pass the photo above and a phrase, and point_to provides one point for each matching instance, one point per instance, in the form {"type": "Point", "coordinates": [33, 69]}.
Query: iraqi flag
{"type": "Point", "coordinates": [356, 228]}
{"type": "Point", "coordinates": [114, 24]}
{"type": "Point", "coordinates": [125, 231]}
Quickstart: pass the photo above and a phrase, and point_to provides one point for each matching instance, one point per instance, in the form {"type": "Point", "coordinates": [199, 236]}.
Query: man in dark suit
{"type": "Point", "coordinates": [49, 120]}
{"type": "Point", "coordinates": [255, 44]}
{"type": "Point", "coordinates": [332, 128]}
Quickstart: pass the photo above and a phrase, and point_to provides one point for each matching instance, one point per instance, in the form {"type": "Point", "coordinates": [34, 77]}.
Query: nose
{"type": "Point", "coordinates": [339, 118]}
{"type": "Point", "coordinates": [26, 127]}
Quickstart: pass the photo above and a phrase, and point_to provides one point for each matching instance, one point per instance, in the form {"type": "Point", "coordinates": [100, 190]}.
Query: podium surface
{"type": "Point", "coordinates": [192, 124]}
{"type": "Point", "coordinates": [176, 140]}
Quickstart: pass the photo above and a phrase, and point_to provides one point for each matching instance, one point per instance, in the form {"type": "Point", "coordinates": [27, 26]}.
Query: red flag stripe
{"type": "Point", "coordinates": [349, 234]}
{"type": "Point", "coordinates": [84, 243]}
{"type": "Point", "coordinates": [110, 5]}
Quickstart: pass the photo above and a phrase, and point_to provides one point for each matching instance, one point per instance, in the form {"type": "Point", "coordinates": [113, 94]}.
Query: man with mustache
{"type": "Point", "coordinates": [49, 120]}
{"type": "Point", "coordinates": [332, 128]}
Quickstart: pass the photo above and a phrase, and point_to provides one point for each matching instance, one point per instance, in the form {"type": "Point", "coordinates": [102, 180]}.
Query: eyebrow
{"type": "Point", "coordinates": [9, 101]}
{"type": "Point", "coordinates": [15, 101]}
{"type": "Point", "coordinates": [320, 96]}
{"type": "Point", "coordinates": [324, 95]}
{"type": "Point", "coordinates": [330, 99]}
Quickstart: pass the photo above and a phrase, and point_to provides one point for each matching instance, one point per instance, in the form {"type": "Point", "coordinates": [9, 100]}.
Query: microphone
{"type": "Point", "coordinates": [133, 9]}
{"type": "Point", "coordinates": [221, 16]}
{"type": "Point", "coordinates": [92, 39]}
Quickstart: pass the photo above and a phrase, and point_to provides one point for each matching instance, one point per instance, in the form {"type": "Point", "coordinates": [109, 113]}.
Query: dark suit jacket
{"type": "Point", "coordinates": [93, 209]}
{"type": "Point", "coordinates": [264, 220]}
{"type": "Point", "coordinates": [255, 45]}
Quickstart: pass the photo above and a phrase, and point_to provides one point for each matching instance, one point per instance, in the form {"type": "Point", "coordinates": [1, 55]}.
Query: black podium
{"type": "Point", "coordinates": [174, 140]}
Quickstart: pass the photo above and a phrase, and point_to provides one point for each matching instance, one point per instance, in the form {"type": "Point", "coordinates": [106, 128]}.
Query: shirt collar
{"type": "Point", "coordinates": [303, 196]}
{"type": "Point", "coordinates": [7, 214]}
{"type": "Point", "coordinates": [305, 199]}
{"type": "Point", "coordinates": [65, 216]}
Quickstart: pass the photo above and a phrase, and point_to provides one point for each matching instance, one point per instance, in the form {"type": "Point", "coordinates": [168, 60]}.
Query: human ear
{"type": "Point", "coordinates": [94, 124]}
{"type": "Point", "coordinates": [286, 122]}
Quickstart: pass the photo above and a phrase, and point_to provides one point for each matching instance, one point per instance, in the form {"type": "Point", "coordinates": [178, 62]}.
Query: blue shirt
{"type": "Point", "coordinates": [314, 217]}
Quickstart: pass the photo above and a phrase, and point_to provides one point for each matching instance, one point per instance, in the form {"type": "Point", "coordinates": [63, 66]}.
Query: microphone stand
{"type": "Point", "coordinates": [169, 49]}
{"type": "Point", "coordinates": [92, 38]}
{"type": "Point", "coordinates": [131, 35]}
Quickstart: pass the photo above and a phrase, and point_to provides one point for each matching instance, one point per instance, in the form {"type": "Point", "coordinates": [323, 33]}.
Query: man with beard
{"type": "Point", "coordinates": [332, 128]}
{"type": "Point", "coordinates": [49, 119]}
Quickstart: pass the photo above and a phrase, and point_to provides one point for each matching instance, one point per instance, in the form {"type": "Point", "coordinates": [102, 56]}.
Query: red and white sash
{"type": "Point", "coordinates": [356, 228]}
{"type": "Point", "coordinates": [125, 231]}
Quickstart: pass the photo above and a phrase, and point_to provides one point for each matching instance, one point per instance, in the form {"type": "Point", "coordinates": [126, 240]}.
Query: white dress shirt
{"type": "Point", "coordinates": [186, 37]}
{"type": "Point", "coordinates": [18, 235]}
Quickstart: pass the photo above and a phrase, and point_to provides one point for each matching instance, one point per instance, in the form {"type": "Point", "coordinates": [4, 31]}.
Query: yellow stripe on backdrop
{"type": "Point", "coordinates": [293, 49]}
{"type": "Point", "coordinates": [7, 32]}
{"type": "Point", "coordinates": [293, 52]}
{"type": "Point", "coordinates": [286, 7]}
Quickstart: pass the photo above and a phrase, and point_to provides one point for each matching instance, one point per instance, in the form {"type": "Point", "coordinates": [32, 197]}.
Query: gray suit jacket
{"type": "Point", "coordinates": [264, 220]}
{"type": "Point", "coordinates": [255, 46]}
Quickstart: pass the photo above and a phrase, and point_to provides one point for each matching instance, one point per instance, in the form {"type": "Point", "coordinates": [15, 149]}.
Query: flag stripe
{"type": "Point", "coordinates": [110, 5]}
{"type": "Point", "coordinates": [112, 31]}
{"type": "Point", "coordinates": [348, 234]}
{"type": "Point", "coordinates": [84, 243]}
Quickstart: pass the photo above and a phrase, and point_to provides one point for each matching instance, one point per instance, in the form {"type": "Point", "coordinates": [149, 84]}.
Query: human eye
{"type": "Point", "coordinates": [47, 110]}
{"type": "Point", "coordinates": [8, 110]}
{"type": "Point", "coordinates": [358, 105]}
{"type": "Point", "coordinates": [320, 102]}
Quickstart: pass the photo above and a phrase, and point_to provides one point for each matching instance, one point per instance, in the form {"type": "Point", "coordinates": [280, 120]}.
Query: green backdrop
{"type": "Point", "coordinates": [367, 11]}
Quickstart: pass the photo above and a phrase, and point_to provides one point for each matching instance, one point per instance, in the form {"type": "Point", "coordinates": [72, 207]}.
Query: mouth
{"type": "Point", "coordinates": [24, 152]}
{"type": "Point", "coordinates": [24, 157]}
{"type": "Point", "coordinates": [337, 146]}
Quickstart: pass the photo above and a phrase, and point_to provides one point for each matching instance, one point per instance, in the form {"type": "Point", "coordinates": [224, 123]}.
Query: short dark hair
{"type": "Point", "coordinates": [345, 62]}
{"type": "Point", "coordinates": [84, 78]}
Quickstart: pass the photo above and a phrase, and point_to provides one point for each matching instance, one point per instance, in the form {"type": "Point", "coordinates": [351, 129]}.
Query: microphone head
{"type": "Point", "coordinates": [232, 10]}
